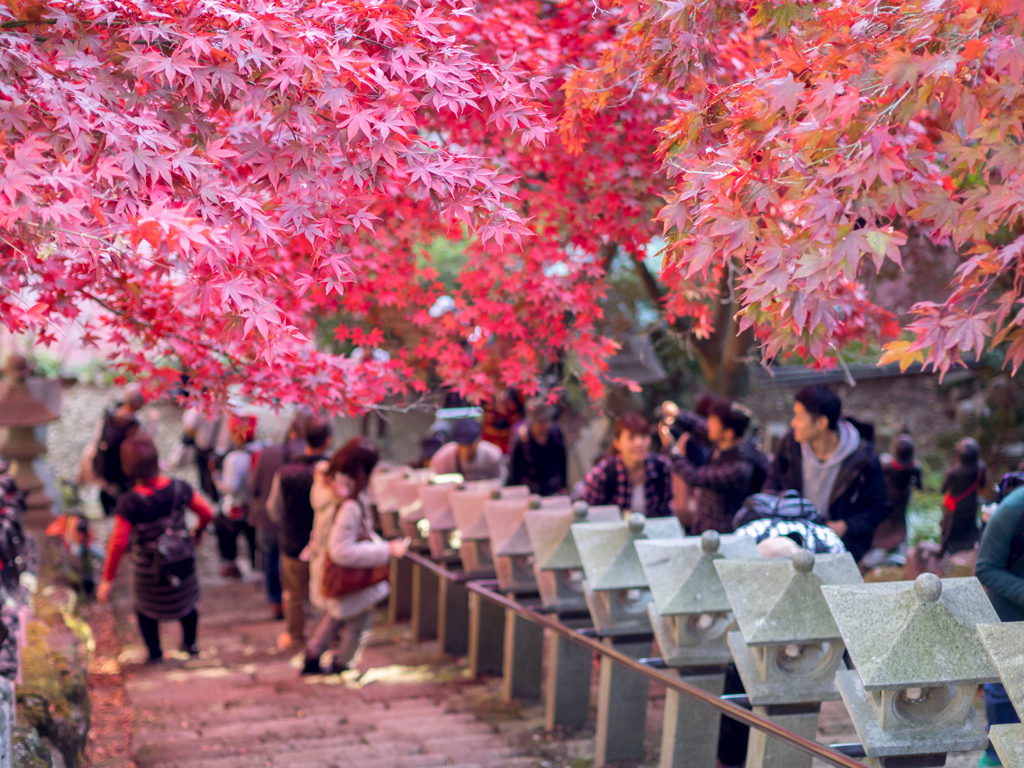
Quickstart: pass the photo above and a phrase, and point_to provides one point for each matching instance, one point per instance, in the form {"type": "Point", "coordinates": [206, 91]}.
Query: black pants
{"type": "Point", "coordinates": [150, 631]}
{"type": "Point", "coordinates": [227, 538]}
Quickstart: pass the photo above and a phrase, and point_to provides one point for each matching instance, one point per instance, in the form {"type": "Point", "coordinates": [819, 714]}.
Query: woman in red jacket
{"type": "Point", "coordinates": [147, 520]}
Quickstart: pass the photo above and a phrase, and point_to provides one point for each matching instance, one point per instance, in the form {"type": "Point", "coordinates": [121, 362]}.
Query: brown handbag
{"type": "Point", "coordinates": [339, 581]}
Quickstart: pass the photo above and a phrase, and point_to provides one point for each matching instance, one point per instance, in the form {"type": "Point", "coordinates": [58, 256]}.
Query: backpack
{"type": "Point", "coordinates": [169, 542]}
{"type": "Point", "coordinates": [1010, 482]}
{"type": "Point", "coordinates": [787, 506]}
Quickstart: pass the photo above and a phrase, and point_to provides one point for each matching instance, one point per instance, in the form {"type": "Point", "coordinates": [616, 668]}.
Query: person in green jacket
{"type": "Point", "coordinates": [1003, 579]}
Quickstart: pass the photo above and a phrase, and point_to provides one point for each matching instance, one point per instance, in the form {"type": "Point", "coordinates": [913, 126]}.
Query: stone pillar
{"type": "Point", "coordinates": [400, 599]}
{"type": "Point", "coordinates": [621, 705]}
{"type": "Point", "coordinates": [567, 682]}
{"type": "Point", "coordinates": [453, 619]}
{"type": "Point", "coordinates": [522, 666]}
{"type": "Point", "coordinates": [425, 586]}
{"type": "Point", "coordinates": [690, 736]}
{"type": "Point", "coordinates": [765, 752]}
{"type": "Point", "coordinates": [486, 636]}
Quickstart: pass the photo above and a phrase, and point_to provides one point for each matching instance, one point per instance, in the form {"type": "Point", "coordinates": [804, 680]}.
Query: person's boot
{"type": "Point", "coordinates": [311, 667]}
{"type": "Point", "coordinates": [191, 650]}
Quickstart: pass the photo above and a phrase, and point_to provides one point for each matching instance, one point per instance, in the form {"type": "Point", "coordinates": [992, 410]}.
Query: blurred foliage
{"type": "Point", "coordinates": [924, 516]}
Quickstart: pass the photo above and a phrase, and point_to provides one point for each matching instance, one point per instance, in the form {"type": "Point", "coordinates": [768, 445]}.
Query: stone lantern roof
{"type": "Point", "coordinates": [1005, 646]}
{"type": "Point", "coordinates": [606, 550]}
{"type": "Point", "coordinates": [436, 506]}
{"type": "Point", "coordinates": [924, 633]}
{"type": "Point", "coordinates": [468, 505]}
{"type": "Point", "coordinates": [778, 601]}
{"type": "Point", "coordinates": [507, 524]}
{"type": "Point", "coordinates": [681, 572]}
{"type": "Point", "coordinates": [382, 484]}
{"type": "Point", "coordinates": [18, 408]}
{"type": "Point", "coordinates": [554, 548]}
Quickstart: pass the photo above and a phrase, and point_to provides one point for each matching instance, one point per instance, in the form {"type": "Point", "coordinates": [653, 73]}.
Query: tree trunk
{"type": "Point", "coordinates": [721, 356]}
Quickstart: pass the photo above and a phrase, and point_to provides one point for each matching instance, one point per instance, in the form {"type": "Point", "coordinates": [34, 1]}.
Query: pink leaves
{"type": "Point", "coordinates": [783, 93]}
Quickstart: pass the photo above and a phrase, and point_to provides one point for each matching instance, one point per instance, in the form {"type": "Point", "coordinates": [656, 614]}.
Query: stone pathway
{"type": "Point", "coordinates": [242, 703]}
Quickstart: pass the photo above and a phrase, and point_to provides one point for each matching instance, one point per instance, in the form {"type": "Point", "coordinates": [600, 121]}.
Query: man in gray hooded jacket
{"type": "Point", "coordinates": [831, 461]}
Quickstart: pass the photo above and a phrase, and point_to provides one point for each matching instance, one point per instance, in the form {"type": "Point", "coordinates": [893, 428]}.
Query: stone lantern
{"type": "Point", "coordinates": [691, 612]}
{"type": "Point", "coordinates": [918, 662]}
{"type": "Point", "coordinates": [691, 616]}
{"type": "Point", "coordinates": [615, 587]}
{"type": "Point", "coordinates": [382, 486]}
{"type": "Point", "coordinates": [468, 510]}
{"type": "Point", "coordinates": [788, 647]}
{"type": "Point", "coordinates": [559, 574]}
{"type": "Point", "coordinates": [1005, 646]}
{"type": "Point", "coordinates": [510, 542]}
{"type": "Point", "coordinates": [20, 412]}
{"type": "Point", "coordinates": [410, 508]}
{"type": "Point", "coordinates": [556, 561]}
{"type": "Point", "coordinates": [437, 511]}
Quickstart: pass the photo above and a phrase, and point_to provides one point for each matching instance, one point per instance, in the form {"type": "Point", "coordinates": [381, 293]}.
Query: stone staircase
{"type": "Point", "coordinates": [242, 703]}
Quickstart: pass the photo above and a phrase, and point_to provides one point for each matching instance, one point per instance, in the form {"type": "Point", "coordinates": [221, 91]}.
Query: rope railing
{"type": "Point", "coordinates": [481, 587]}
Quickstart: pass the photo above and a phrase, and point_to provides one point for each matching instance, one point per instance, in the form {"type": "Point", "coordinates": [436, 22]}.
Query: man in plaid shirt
{"type": "Point", "coordinates": [633, 478]}
{"type": "Point", "coordinates": [735, 469]}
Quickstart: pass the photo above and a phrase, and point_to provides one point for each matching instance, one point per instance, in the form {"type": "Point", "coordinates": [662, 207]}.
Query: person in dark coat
{"type": "Point", "coordinates": [960, 502]}
{"type": "Point", "coordinates": [289, 507]}
{"type": "Point", "coordinates": [734, 469]}
{"type": "Point", "coordinates": [118, 425]}
{"type": "Point", "coordinates": [272, 458]}
{"type": "Point", "coordinates": [154, 505]}
{"type": "Point", "coordinates": [902, 474]}
{"type": "Point", "coordinates": [1000, 569]}
{"type": "Point", "coordinates": [538, 458]}
{"type": "Point", "coordinates": [831, 461]}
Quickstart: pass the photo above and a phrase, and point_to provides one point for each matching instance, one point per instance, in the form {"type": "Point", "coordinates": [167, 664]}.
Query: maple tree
{"type": "Point", "coordinates": [205, 172]}
{"type": "Point", "coordinates": [810, 141]}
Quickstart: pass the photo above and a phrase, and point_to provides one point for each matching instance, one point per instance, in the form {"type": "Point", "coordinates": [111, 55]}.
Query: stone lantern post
{"type": "Point", "coordinates": [691, 616]}
{"type": "Point", "coordinates": [918, 662]}
{"type": "Point", "coordinates": [20, 412]}
{"type": "Point", "coordinates": [617, 595]}
{"type": "Point", "coordinates": [559, 574]}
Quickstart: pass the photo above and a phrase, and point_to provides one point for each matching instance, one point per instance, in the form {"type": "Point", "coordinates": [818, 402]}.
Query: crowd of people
{"type": "Point", "coordinates": [303, 513]}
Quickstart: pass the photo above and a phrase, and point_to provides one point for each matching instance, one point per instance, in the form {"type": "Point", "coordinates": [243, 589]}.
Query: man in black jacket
{"type": "Point", "coordinates": [289, 507]}
{"type": "Point", "coordinates": [831, 461]}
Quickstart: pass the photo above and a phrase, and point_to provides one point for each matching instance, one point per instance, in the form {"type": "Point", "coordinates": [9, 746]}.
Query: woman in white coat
{"type": "Point", "coordinates": [343, 532]}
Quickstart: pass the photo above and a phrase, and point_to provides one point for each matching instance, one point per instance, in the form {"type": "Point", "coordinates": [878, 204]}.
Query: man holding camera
{"type": "Point", "coordinates": [734, 469]}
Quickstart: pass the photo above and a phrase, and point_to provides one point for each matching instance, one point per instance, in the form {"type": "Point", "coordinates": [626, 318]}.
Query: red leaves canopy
{"type": "Point", "coordinates": [810, 139]}
{"type": "Point", "coordinates": [218, 175]}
